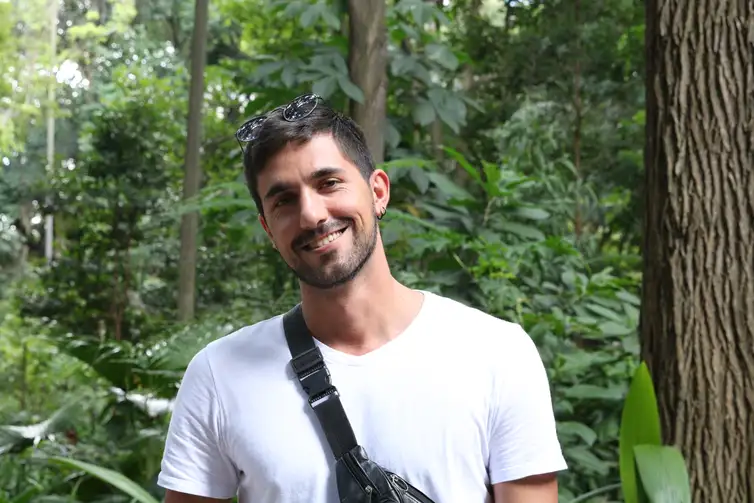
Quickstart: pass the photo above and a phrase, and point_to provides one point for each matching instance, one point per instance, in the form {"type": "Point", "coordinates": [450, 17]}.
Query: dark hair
{"type": "Point", "coordinates": [276, 133]}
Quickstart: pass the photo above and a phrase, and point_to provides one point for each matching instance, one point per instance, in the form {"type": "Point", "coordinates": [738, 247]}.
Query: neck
{"type": "Point", "coordinates": [363, 314]}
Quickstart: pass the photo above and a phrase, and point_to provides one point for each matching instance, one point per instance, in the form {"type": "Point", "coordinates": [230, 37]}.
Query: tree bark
{"type": "Point", "coordinates": [697, 327]}
{"type": "Point", "coordinates": [192, 173]}
{"type": "Point", "coordinates": [49, 220]}
{"type": "Point", "coordinates": [367, 64]}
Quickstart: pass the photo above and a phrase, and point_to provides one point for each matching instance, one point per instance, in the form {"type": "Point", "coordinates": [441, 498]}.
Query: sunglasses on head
{"type": "Point", "coordinates": [297, 109]}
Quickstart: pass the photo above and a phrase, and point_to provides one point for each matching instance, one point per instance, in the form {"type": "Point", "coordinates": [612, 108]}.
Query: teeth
{"type": "Point", "coordinates": [326, 239]}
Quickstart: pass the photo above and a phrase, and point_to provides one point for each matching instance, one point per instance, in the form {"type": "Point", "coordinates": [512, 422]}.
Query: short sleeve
{"type": "Point", "coordinates": [523, 436]}
{"type": "Point", "coordinates": [194, 461]}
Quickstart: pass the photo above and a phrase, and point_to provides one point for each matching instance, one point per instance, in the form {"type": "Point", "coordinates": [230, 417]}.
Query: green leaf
{"type": "Point", "coordinates": [266, 69]}
{"type": "Point", "coordinates": [628, 297]}
{"type": "Point", "coordinates": [111, 477]}
{"type": "Point", "coordinates": [604, 312]}
{"type": "Point", "coordinates": [663, 474]}
{"type": "Point", "coordinates": [586, 460]}
{"type": "Point", "coordinates": [325, 87]}
{"type": "Point", "coordinates": [448, 186]}
{"type": "Point", "coordinates": [532, 213]}
{"type": "Point", "coordinates": [442, 54]}
{"type": "Point", "coordinates": [461, 160]}
{"type": "Point", "coordinates": [590, 391]}
{"type": "Point", "coordinates": [420, 178]}
{"type": "Point", "coordinates": [351, 90]}
{"type": "Point", "coordinates": [640, 424]}
{"type": "Point", "coordinates": [576, 429]}
{"type": "Point", "coordinates": [521, 230]}
{"type": "Point", "coordinates": [309, 15]}
{"type": "Point", "coordinates": [292, 9]}
{"type": "Point", "coordinates": [14, 438]}
{"type": "Point", "coordinates": [288, 75]}
{"type": "Point", "coordinates": [331, 19]}
{"type": "Point", "coordinates": [392, 135]}
{"type": "Point", "coordinates": [612, 328]}
{"type": "Point", "coordinates": [424, 112]}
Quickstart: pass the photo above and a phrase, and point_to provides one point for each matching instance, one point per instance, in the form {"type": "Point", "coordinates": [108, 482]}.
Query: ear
{"type": "Point", "coordinates": [267, 230]}
{"type": "Point", "coordinates": [380, 185]}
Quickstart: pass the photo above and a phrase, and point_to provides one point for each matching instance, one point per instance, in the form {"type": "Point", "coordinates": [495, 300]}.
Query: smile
{"type": "Point", "coordinates": [329, 238]}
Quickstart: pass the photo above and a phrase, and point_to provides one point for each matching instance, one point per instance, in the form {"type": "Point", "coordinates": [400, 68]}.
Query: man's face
{"type": "Point", "coordinates": [320, 212]}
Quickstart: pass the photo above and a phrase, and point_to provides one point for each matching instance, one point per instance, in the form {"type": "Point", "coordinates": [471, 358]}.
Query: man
{"type": "Point", "coordinates": [455, 401]}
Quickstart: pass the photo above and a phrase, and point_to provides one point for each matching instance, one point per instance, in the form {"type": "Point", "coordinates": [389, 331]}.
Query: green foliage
{"type": "Point", "coordinates": [640, 425]}
{"type": "Point", "coordinates": [114, 478]}
{"type": "Point", "coordinates": [662, 471]}
{"type": "Point", "coordinates": [105, 204]}
{"type": "Point", "coordinates": [650, 472]}
{"type": "Point", "coordinates": [493, 203]}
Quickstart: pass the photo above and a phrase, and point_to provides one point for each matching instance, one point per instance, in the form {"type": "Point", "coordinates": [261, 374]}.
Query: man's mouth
{"type": "Point", "coordinates": [320, 242]}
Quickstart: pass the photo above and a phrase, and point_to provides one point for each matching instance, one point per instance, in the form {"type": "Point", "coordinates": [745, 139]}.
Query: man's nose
{"type": "Point", "coordinates": [313, 211]}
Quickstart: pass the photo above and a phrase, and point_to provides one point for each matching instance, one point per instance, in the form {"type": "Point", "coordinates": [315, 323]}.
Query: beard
{"type": "Point", "coordinates": [334, 269]}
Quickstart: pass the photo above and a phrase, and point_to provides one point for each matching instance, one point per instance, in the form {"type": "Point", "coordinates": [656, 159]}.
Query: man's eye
{"type": "Point", "coordinates": [283, 200]}
{"type": "Point", "coordinates": [329, 183]}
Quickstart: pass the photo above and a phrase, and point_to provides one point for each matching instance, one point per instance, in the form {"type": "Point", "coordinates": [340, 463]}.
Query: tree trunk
{"type": "Point", "coordinates": [697, 328]}
{"type": "Point", "coordinates": [367, 64]}
{"type": "Point", "coordinates": [192, 173]}
{"type": "Point", "coordinates": [49, 221]}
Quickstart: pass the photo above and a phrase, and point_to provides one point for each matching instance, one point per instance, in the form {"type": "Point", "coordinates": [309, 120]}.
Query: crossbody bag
{"type": "Point", "coordinates": [359, 479]}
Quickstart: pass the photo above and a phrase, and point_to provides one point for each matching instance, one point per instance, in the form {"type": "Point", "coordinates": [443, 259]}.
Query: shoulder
{"type": "Point", "coordinates": [501, 346]}
{"type": "Point", "coordinates": [474, 326]}
{"type": "Point", "coordinates": [263, 340]}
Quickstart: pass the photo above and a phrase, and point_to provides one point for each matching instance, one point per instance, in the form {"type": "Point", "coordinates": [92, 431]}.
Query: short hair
{"type": "Point", "coordinates": [275, 133]}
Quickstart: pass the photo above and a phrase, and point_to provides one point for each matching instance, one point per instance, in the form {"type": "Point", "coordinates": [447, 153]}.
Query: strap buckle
{"type": "Point", "coordinates": [314, 375]}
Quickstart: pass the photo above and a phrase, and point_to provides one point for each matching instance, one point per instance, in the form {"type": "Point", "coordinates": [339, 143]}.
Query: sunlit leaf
{"type": "Point", "coordinates": [612, 328]}
{"type": "Point", "coordinates": [531, 213]}
{"type": "Point", "coordinates": [442, 55]}
{"type": "Point", "coordinates": [580, 430]}
{"type": "Point", "coordinates": [115, 479]}
{"type": "Point", "coordinates": [640, 424]}
{"type": "Point", "coordinates": [521, 230]}
{"type": "Point", "coordinates": [325, 87]}
{"type": "Point", "coordinates": [424, 112]}
{"type": "Point", "coordinates": [351, 89]}
{"type": "Point", "coordinates": [663, 475]}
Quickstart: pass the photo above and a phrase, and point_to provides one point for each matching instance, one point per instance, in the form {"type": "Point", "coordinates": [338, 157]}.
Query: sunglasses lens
{"type": "Point", "coordinates": [300, 107]}
{"type": "Point", "coordinates": [246, 132]}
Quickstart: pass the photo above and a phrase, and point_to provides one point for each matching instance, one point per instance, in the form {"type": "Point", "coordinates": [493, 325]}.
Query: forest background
{"type": "Point", "coordinates": [579, 167]}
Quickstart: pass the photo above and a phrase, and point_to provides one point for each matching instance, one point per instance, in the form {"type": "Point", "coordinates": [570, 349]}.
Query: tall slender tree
{"type": "Point", "coordinates": [49, 221]}
{"type": "Point", "coordinates": [697, 328]}
{"type": "Point", "coordinates": [367, 63]}
{"type": "Point", "coordinates": [192, 169]}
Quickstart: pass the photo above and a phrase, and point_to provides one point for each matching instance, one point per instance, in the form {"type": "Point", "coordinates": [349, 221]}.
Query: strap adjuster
{"type": "Point", "coordinates": [314, 375]}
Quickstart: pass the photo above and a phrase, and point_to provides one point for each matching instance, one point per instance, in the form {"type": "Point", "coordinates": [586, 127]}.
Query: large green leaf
{"type": "Point", "coordinates": [663, 474]}
{"type": "Point", "coordinates": [15, 438]}
{"type": "Point", "coordinates": [111, 477]}
{"type": "Point", "coordinates": [640, 424]}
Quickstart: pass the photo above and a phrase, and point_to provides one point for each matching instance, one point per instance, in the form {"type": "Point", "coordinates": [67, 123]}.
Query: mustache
{"type": "Point", "coordinates": [324, 229]}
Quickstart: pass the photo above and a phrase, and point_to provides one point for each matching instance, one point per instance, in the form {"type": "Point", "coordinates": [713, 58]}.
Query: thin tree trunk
{"type": "Point", "coordinates": [367, 64]}
{"type": "Point", "coordinates": [49, 222]}
{"type": "Point", "coordinates": [192, 173]}
{"type": "Point", "coordinates": [25, 211]}
{"type": "Point", "coordinates": [697, 327]}
{"type": "Point", "coordinates": [578, 221]}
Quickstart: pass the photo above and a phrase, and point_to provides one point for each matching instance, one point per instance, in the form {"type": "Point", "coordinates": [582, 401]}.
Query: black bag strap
{"type": "Point", "coordinates": [314, 376]}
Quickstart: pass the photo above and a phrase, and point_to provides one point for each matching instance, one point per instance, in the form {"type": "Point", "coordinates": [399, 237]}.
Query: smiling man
{"type": "Point", "coordinates": [451, 399]}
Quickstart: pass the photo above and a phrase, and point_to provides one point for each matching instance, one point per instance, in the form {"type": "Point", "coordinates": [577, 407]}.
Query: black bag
{"type": "Point", "coordinates": [359, 479]}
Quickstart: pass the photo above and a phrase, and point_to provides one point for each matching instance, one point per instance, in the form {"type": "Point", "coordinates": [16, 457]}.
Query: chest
{"type": "Point", "coordinates": [425, 422]}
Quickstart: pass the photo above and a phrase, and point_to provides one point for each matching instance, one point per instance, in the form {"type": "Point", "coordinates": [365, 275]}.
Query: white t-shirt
{"type": "Point", "coordinates": [458, 401]}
